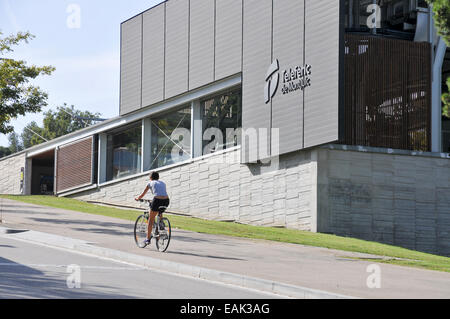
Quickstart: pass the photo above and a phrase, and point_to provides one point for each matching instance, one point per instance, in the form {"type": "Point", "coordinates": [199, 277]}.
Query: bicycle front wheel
{"type": "Point", "coordinates": [140, 231]}
{"type": "Point", "coordinates": [165, 232]}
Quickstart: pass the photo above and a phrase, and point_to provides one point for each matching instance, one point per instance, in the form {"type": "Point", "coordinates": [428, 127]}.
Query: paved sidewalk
{"type": "Point", "coordinates": [316, 268]}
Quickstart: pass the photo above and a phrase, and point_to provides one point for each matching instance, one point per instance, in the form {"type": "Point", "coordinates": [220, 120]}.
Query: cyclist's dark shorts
{"type": "Point", "coordinates": [157, 203]}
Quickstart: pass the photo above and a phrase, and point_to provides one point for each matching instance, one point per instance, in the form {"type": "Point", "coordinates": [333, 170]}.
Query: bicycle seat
{"type": "Point", "coordinates": [162, 209]}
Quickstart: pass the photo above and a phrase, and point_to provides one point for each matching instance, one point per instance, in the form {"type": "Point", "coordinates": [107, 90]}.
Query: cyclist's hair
{"type": "Point", "coordinates": [154, 176]}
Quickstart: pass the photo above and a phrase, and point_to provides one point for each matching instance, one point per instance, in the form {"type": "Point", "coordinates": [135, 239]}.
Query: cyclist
{"type": "Point", "coordinates": [159, 191]}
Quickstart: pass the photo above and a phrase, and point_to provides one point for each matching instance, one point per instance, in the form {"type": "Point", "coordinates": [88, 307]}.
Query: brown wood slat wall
{"type": "Point", "coordinates": [74, 165]}
{"type": "Point", "coordinates": [387, 93]}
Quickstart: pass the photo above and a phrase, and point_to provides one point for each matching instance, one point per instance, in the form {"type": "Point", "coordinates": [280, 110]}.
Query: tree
{"type": "Point", "coordinates": [4, 151]}
{"type": "Point", "coordinates": [58, 123]}
{"type": "Point", "coordinates": [29, 135]}
{"type": "Point", "coordinates": [441, 9]}
{"type": "Point", "coordinates": [446, 100]}
{"type": "Point", "coordinates": [14, 143]}
{"type": "Point", "coordinates": [17, 95]}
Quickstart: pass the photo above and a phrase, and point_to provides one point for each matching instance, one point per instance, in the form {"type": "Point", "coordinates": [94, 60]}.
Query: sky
{"type": "Point", "coordinates": [81, 39]}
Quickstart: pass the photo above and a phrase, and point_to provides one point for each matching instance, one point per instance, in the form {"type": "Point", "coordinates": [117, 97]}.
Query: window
{"type": "Point", "coordinates": [171, 138]}
{"type": "Point", "coordinates": [222, 121]}
{"type": "Point", "coordinates": [394, 16]}
{"type": "Point", "coordinates": [124, 149]}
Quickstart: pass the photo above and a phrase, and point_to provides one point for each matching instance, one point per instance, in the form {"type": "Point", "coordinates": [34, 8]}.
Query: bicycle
{"type": "Point", "coordinates": [161, 231]}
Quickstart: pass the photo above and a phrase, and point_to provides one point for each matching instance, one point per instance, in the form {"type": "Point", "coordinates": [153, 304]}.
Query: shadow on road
{"type": "Point", "coordinates": [23, 209]}
{"type": "Point", "coordinates": [203, 256]}
{"type": "Point", "coordinates": [91, 226]}
{"type": "Point", "coordinates": [22, 282]}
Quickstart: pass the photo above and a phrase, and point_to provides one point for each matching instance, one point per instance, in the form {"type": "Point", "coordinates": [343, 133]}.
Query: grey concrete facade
{"type": "Point", "coordinates": [182, 45]}
{"type": "Point", "coordinates": [395, 199]}
{"type": "Point", "coordinates": [220, 188]}
{"type": "Point", "coordinates": [131, 69]}
{"type": "Point", "coordinates": [303, 40]}
{"type": "Point", "coordinates": [176, 47]}
{"type": "Point", "coordinates": [10, 174]}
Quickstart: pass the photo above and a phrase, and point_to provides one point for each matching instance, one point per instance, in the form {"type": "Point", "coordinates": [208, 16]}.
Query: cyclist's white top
{"type": "Point", "coordinates": [158, 188]}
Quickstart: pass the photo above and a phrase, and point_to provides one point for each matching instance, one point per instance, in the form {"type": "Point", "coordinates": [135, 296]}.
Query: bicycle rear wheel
{"type": "Point", "coordinates": [140, 231]}
{"type": "Point", "coordinates": [165, 232]}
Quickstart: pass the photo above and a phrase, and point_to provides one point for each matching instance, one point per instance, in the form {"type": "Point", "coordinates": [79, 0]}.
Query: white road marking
{"type": "Point", "coordinates": [65, 266]}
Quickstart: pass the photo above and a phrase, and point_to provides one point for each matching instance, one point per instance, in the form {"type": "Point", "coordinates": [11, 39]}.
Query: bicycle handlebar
{"type": "Point", "coordinates": [145, 201]}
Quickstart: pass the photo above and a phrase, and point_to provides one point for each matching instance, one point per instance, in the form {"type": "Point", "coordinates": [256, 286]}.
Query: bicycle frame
{"type": "Point", "coordinates": [157, 229]}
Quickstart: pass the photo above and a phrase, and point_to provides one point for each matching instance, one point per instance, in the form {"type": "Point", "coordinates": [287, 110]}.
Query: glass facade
{"type": "Point", "coordinates": [396, 18]}
{"type": "Point", "coordinates": [171, 138]}
{"type": "Point", "coordinates": [168, 136]}
{"type": "Point", "coordinates": [222, 121]}
{"type": "Point", "coordinates": [124, 152]}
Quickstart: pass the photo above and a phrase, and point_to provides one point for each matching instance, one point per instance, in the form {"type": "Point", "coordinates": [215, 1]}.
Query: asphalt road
{"type": "Point", "coordinates": [28, 270]}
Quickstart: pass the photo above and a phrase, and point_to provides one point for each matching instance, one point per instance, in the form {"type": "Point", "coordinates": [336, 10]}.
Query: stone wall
{"type": "Point", "coordinates": [219, 187]}
{"type": "Point", "coordinates": [10, 174]}
{"type": "Point", "coordinates": [378, 195]}
{"type": "Point", "coordinates": [396, 199]}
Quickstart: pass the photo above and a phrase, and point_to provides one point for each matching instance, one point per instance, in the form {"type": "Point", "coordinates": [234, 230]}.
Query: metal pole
{"type": "Point", "coordinates": [26, 128]}
{"type": "Point", "coordinates": [436, 93]}
{"type": "Point", "coordinates": [73, 116]}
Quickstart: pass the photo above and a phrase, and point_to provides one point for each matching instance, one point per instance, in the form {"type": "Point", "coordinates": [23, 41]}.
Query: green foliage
{"type": "Point", "coordinates": [15, 145]}
{"type": "Point", "coordinates": [17, 96]}
{"type": "Point", "coordinates": [58, 123]}
{"type": "Point", "coordinates": [4, 151]}
{"type": "Point", "coordinates": [441, 9]}
{"type": "Point", "coordinates": [446, 100]}
{"type": "Point", "coordinates": [29, 137]}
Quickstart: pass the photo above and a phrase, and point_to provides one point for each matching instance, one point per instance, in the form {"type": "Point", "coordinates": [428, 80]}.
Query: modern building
{"type": "Point", "coordinates": [316, 115]}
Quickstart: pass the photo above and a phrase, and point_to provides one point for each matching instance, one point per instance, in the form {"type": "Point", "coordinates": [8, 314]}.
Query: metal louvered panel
{"type": "Point", "coordinates": [153, 56]}
{"type": "Point", "coordinates": [387, 93]}
{"type": "Point", "coordinates": [177, 48]}
{"type": "Point", "coordinates": [322, 43]}
{"type": "Point", "coordinates": [228, 59]}
{"type": "Point", "coordinates": [74, 165]}
{"type": "Point", "coordinates": [131, 65]}
{"type": "Point", "coordinates": [287, 109]}
{"type": "Point", "coordinates": [201, 54]}
{"type": "Point", "coordinates": [257, 57]}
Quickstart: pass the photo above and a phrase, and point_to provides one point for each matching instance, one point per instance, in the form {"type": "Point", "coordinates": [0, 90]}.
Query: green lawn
{"type": "Point", "coordinates": [413, 258]}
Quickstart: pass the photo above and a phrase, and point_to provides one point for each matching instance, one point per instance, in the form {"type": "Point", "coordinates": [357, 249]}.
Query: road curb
{"type": "Point", "coordinates": [170, 266]}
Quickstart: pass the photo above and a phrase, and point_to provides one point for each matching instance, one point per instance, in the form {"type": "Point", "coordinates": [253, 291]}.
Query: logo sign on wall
{"type": "Point", "coordinates": [294, 79]}
{"type": "Point", "coordinates": [272, 81]}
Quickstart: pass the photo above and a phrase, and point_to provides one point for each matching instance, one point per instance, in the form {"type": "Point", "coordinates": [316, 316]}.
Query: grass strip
{"type": "Point", "coordinates": [410, 258]}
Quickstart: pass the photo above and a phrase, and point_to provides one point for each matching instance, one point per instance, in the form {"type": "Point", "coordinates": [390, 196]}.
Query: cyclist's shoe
{"type": "Point", "coordinates": [147, 242]}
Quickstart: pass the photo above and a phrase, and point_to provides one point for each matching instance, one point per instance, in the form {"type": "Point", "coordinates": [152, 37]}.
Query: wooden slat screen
{"type": "Point", "coordinates": [74, 165]}
{"type": "Point", "coordinates": [387, 93]}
